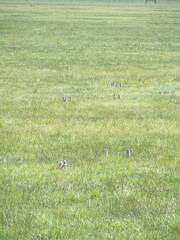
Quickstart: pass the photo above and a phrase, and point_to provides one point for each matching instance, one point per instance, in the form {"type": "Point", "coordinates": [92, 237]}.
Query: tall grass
{"type": "Point", "coordinates": [89, 53]}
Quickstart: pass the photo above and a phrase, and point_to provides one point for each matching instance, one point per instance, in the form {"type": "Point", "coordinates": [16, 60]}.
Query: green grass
{"type": "Point", "coordinates": [78, 49]}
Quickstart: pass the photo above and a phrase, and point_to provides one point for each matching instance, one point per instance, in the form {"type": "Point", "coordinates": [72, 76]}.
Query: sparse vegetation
{"type": "Point", "coordinates": [122, 180]}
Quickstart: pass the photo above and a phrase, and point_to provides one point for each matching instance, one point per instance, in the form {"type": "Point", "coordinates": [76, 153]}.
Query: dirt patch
{"type": "Point", "coordinates": [177, 93]}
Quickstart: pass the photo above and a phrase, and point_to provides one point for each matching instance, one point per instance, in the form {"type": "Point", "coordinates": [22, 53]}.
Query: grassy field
{"type": "Point", "coordinates": [118, 64]}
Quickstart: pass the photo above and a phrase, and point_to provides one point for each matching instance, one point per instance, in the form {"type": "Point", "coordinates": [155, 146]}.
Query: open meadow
{"type": "Point", "coordinates": [96, 83]}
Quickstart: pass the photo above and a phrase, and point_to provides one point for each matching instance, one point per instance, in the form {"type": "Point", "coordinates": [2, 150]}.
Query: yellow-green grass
{"type": "Point", "coordinates": [79, 49]}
